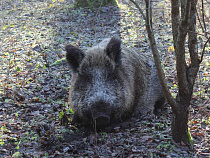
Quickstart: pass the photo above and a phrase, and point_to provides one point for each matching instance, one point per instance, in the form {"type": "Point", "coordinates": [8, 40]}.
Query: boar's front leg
{"type": "Point", "coordinates": [76, 119]}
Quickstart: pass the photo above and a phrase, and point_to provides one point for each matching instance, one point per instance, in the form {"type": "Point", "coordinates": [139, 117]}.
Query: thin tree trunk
{"type": "Point", "coordinates": [186, 74]}
{"type": "Point", "coordinates": [156, 56]}
{"type": "Point", "coordinates": [182, 24]}
{"type": "Point", "coordinates": [180, 117]}
{"type": "Point", "coordinates": [179, 125]}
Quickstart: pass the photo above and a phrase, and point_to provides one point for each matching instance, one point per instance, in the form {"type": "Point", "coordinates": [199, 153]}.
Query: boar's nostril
{"type": "Point", "coordinates": [101, 120]}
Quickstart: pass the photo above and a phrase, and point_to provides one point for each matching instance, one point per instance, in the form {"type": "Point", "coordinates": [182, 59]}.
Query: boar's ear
{"type": "Point", "coordinates": [113, 49]}
{"type": "Point", "coordinates": [74, 56]}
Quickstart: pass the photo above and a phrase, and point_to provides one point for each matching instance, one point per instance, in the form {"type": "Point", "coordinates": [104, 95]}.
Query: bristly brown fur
{"type": "Point", "coordinates": [115, 81]}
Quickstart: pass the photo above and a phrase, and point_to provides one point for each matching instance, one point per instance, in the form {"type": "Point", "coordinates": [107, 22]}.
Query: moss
{"type": "Point", "coordinates": [189, 137]}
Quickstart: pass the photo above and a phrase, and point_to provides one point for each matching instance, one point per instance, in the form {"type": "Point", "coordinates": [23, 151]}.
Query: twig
{"type": "Point", "coordinates": [204, 50]}
{"type": "Point", "coordinates": [200, 21]}
{"type": "Point", "coordinates": [95, 130]}
{"type": "Point", "coordinates": [140, 10]}
{"type": "Point", "coordinates": [201, 34]}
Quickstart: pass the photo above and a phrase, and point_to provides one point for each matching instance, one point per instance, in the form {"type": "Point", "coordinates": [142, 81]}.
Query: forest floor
{"type": "Point", "coordinates": [34, 77]}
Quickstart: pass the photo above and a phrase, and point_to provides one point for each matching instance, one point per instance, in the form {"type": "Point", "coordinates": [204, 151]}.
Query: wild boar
{"type": "Point", "coordinates": [111, 83]}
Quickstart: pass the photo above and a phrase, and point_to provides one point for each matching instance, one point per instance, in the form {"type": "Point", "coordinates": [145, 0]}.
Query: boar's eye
{"type": "Point", "coordinates": [85, 77]}
{"type": "Point", "coordinates": [112, 76]}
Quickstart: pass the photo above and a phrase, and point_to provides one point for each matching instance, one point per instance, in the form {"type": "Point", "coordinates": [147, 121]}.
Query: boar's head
{"type": "Point", "coordinates": [97, 92]}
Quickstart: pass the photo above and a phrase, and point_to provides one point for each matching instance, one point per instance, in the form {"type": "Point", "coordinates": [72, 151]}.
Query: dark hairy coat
{"type": "Point", "coordinates": [111, 83]}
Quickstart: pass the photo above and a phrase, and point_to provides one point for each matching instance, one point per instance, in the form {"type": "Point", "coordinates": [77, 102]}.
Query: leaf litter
{"type": "Point", "coordinates": [34, 114]}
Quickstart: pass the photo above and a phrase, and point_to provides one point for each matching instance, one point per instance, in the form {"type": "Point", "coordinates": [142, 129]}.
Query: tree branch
{"type": "Point", "coordinates": [175, 15]}
{"type": "Point", "coordinates": [157, 61]}
{"type": "Point", "coordinates": [180, 50]}
{"type": "Point", "coordinates": [192, 45]}
{"type": "Point", "coordinates": [140, 10]}
{"type": "Point", "coordinates": [204, 49]}
{"type": "Point", "coordinates": [200, 22]}
{"type": "Point", "coordinates": [188, 10]}
{"type": "Point", "coordinates": [204, 24]}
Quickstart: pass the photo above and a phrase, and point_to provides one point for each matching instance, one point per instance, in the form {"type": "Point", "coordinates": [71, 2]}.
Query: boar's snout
{"type": "Point", "coordinates": [101, 113]}
{"type": "Point", "coordinates": [101, 120]}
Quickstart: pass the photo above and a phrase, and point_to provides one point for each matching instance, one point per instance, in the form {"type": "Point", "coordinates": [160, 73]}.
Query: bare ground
{"type": "Point", "coordinates": [34, 113]}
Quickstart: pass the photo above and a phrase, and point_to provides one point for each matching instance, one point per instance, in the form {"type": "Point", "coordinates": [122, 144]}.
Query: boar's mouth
{"type": "Point", "coordinates": [101, 120]}
{"type": "Point", "coordinates": [101, 114]}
